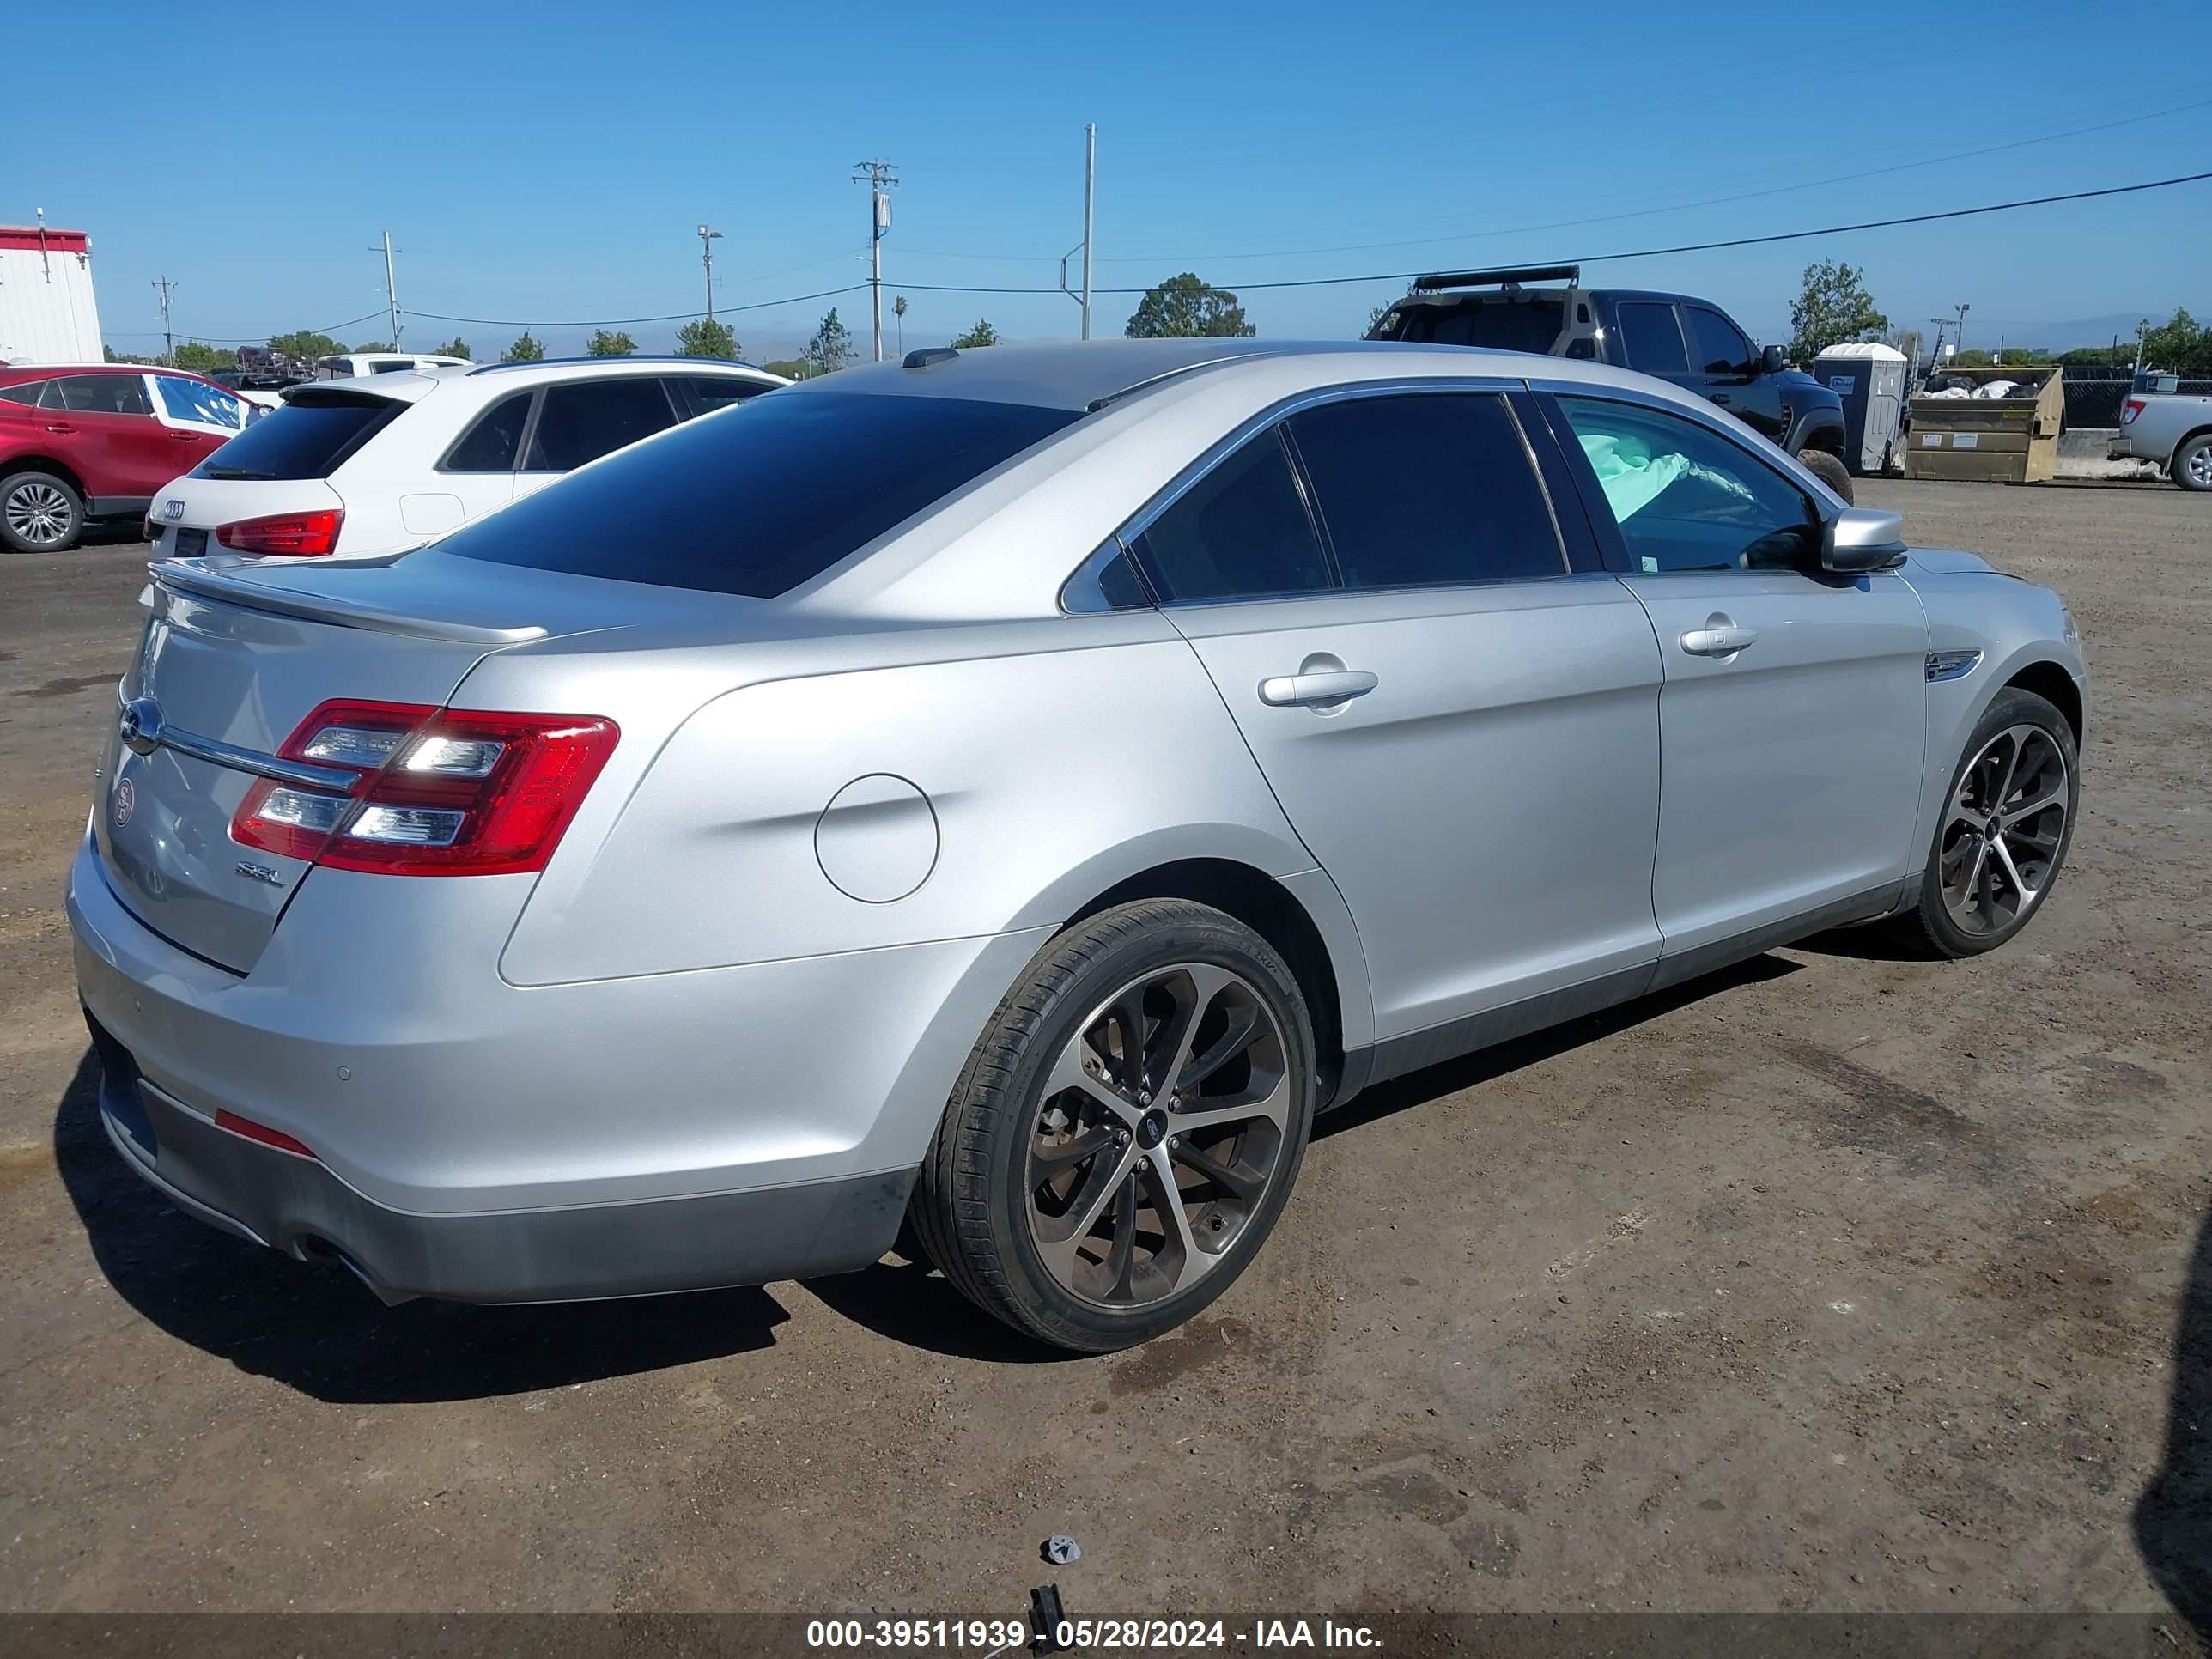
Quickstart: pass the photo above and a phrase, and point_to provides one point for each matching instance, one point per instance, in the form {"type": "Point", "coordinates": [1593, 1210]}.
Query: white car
{"type": "Point", "coordinates": [346, 365]}
{"type": "Point", "coordinates": [381, 464]}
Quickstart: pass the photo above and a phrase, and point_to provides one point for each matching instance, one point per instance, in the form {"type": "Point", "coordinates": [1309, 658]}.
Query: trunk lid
{"type": "Point", "coordinates": [239, 660]}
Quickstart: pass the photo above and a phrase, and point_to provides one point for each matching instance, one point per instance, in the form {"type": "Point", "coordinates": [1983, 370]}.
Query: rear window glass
{"type": "Point", "coordinates": [763, 498]}
{"type": "Point", "coordinates": [306, 439]}
{"type": "Point", "coordinates": [1528, 324]}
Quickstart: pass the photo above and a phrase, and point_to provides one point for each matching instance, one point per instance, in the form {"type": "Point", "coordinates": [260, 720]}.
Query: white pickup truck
{"type": "Point", "coordinates": [2172, 430]}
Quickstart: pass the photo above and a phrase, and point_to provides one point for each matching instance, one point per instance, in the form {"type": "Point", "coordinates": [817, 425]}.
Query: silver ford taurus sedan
{"type": "Point", "coordinates": [1014, 790]}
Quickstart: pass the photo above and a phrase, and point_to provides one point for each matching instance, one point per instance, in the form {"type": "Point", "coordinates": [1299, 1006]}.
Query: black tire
{"type": "Point", "coordinates": [1829, 471]}
{"type": "Point", "coordinates": [971, 1206]}
{"type": "Point", "coordinates": [1928, 928]}
{"type": "Point", "coordinates": [30, 501]}
{"type": "Point", "coordinates": [2192, 464]}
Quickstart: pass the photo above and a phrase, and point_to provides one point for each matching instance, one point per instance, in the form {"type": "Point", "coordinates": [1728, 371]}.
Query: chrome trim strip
{"type": "Point", "coordinates": [1952, 664]}
{"type": "Point", "coordinates": [306, 774]}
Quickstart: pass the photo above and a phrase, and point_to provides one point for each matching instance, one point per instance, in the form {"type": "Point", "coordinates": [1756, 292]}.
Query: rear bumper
{"type": "Point", "coordinates": [296, 1206]}
{"type": "Point", "coordinates": [2121, 447]}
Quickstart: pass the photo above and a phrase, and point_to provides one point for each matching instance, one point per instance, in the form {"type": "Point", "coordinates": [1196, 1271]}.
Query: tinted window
{"type": "Point", "coordinates": [1504, 325]}
{"type": "Point", "coordinates": [1424, 488]}
{"type": "Point", "coordinates": [391, 365]}
{"type": "Point", "coordinates": [716, 392]}
{"type": "Point", "coordinates": [1720, 348]}
{"type": "Point", "coordinates": [580, 423]}
{"type": "Point", "coordinates": [103, 394]}
{"type": "Point", "coordinates": [1242, 530]}
{"type": "Point", "coordinates": [1687, 498]}
{"type": "Point", "coordinates": [1650, 339]}
{"type": "Point", "coordinates": [306, 439]}
{"type": "Point", "coordinates": [762, 499]}
{"type": "Point", "coordinates": [490, 444]}
{"type": "Point", "coordinates": [202, 404]}
{"type": "Point", "coordinates": [25, 393]}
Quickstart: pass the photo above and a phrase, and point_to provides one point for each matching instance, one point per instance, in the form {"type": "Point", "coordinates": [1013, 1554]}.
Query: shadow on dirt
{"type": "Point", "coordinates": [312, 1327]}
{"type": "Point", "coordinates": [2173, 1517]}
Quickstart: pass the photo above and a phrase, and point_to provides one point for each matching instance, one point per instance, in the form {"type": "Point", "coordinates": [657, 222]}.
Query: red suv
{"type": "Point", "coordinates": [97, 442]}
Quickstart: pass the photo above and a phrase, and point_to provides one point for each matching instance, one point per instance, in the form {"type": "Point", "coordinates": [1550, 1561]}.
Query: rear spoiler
{"type": "Point", "coordinates": [183, 576]}
{"type": "Point", "coordinates": [1507, 277]}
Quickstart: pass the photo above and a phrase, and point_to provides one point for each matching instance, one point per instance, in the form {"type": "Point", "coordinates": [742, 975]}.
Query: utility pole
{"type": "Point", "coordinates": [391, 289]}
{"type": "Point", "coordinates": [880, 177]}
{"type": "Point", "coordinates": [708, 238]}
{"type": "Point", "coordinates": [1090, 194]}
{"type": "Point", "coordinates": [168, 339]}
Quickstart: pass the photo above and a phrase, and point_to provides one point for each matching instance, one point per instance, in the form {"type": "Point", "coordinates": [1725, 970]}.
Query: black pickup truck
{"type": "Point", "coordinates": [1675, 336]}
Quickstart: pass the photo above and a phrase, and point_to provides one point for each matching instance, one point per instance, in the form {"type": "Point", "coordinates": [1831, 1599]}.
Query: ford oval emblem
{"type": "Point", "coordinates": [126, 799]}
{"type": "Point", "coordinates": [139, 725]}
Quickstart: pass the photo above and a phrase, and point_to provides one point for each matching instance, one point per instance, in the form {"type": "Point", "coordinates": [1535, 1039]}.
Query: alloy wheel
{"type": "Point", "coordinates": [2007, 825]}
{"type": "Point", "coordinates": [40, 514]}
{"type": "Point", "coordinates": [2200, 467]}
{"type": "Point", "coordinates": [1159, 1129]}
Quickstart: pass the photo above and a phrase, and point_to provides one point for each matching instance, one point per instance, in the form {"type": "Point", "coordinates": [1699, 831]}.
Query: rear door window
{"type": "Point", "coordinates": [102, 394]}
{"type": "Point", "coordinates": [1240, 531]}
{"type": "Point", "coordinates": [715, 392]}
{"type": "Point", "coordinates": [768, 496]}
{"type": "Point", "coordinates": [307, 438]}
{"type": "Point", "coordinates": [581, 421]}
{"type": "Point", "coordinates": [490, 445]}
{"type": "Point", "coordinates": [1650, 338]}
{"type": "Point", "coordinates": [1717, 345]}
{"type": "Point", "coordinates": [1423, 488]}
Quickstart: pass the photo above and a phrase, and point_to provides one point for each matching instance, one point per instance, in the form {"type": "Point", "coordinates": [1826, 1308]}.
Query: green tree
{"type": "Point", "coordinates": [1184, 307]}
{"type": "Point", "coordinates": [376, 345]}
{"type": "Point", "coordinates": [1832, 308]}
{"type": "Point", "coordinates": [2181, 345]}
{"type": "Point", "coordinates": [832, 348]}
{"type": "Point", "coordinates": [203, 359]}
{"type": "Point", "coordinates": [2103, 356]}
{"type": "Point", "coordinates": [982, 335]}
{"type": "Point", "coordinates": [706, 338]}
{"type": "Point", "coordinates": [456, 346]}
{"type": "Point", "coordinates": [791, 368]}
{"type": "Point", "coordinates": [618, 344]}
{"type": "Point", "coordinates": [305, 343]}
{"type": "Point", "coordinates": [526, 348]}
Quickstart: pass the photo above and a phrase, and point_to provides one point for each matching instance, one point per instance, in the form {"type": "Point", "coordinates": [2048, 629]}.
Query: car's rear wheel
{"type": "Point", "coordinates": [1829, 471]}
{"type": "Point", "coordinates": [2006, 827]}
{"type": "Point", "coordinates": [39, 513]}
{"type": "Point", "coordinates": [2192, 464]}
{"type": "Point", "coordinates": [1126, 1131]}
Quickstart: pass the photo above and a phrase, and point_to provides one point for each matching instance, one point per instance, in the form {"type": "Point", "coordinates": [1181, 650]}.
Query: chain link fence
{"type": "Point", "coordinates": [2094, 396]}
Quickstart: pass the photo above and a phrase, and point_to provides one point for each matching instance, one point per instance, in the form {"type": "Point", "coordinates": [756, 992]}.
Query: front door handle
{"type": "Point", "coordinates": [1720, 397]}
{"type": "Point", "coordinates": [1338, 685]}
{"type": "Point", "coordinates": [1719, 637]}
{"type": "Point", "coordinates": [59, 426]}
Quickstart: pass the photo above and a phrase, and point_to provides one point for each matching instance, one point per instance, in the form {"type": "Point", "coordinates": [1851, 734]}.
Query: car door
{"type": "Point", "coordinates": [1647, 337]}
{"type": "Point", "coordinates": [1461, 728]}
{"type": "Point", "coordinates": [106, 426]}
{"type": "Point", "coordinates": [579, 420]}
{"type": "Point", "coordinates": [1793, 721]}
{"type": "Point", "coordinates": [1724, 368]}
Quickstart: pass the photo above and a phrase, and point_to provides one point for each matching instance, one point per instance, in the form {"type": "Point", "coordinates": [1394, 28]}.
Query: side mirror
{"type": "Point", "coordinates": [1773, 361]}
{"type": "Point", "coordinates": [1861, 539]}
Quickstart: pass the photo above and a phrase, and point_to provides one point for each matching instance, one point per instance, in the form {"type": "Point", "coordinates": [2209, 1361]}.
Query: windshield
{"type": "Point", "coordinates": [761, 497]}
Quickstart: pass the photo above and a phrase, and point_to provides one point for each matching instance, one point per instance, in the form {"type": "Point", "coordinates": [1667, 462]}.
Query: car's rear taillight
{"type": "Point", "coordinates": [288, 535]}
{"type": "Point", "coordinates": [455, 792]}
{"type": "Point", "coordinates": [149, 531]}
{"type": "Point", "coordinates": [2130, 410]}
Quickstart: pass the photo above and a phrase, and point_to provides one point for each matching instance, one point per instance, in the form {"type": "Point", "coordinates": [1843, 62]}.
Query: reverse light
{"type": "Point", "coordinates": [285, 535]}
{"type": "Point", "coordinates": [452, 793]}
{"type": "Point", "coordinates": [2130, 410]}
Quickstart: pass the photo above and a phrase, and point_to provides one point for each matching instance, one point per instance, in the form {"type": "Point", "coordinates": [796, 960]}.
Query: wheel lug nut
{"type": "Point", "coordinates": [1144, 1097]}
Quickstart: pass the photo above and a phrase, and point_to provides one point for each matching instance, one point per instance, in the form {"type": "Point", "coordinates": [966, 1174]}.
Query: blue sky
{"type": "Point", "coordinates": [549, 163]}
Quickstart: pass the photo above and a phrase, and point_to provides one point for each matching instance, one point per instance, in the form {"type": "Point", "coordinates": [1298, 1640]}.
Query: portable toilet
{"type": "Point", "coordinates": [1871, 380]}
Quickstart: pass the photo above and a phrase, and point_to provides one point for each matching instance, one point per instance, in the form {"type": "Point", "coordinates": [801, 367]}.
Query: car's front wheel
{"type": "Point", "coordinates": [39, 513]}
{"type": "Point", "coordinates": [1127, 1130]}
{"type": "Point", "coordinates": [2005, 830]}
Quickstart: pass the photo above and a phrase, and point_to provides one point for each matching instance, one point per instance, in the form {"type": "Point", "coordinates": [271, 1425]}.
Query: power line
{"type": "Point", "coordinates": [620, 322]}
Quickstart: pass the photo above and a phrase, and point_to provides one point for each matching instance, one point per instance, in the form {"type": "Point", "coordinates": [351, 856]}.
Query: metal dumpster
{"type": "Point", "coordinates": [2013, 439]}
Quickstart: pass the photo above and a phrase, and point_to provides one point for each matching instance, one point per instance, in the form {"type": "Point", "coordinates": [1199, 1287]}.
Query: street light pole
{"type": "Point", "coordinates": [708, 238]}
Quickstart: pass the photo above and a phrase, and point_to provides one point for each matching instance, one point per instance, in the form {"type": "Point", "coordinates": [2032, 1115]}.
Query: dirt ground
{"type": "Point", "coordinates": [1832, 1282]}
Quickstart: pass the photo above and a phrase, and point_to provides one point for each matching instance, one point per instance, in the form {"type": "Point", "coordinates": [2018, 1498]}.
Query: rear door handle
{"type": "Point", "coordinates": [1719, 637]}
{"type": "Point", "coordinates": [59, 426]}
{"type": "Point", "coordinates": [1289, 690]}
